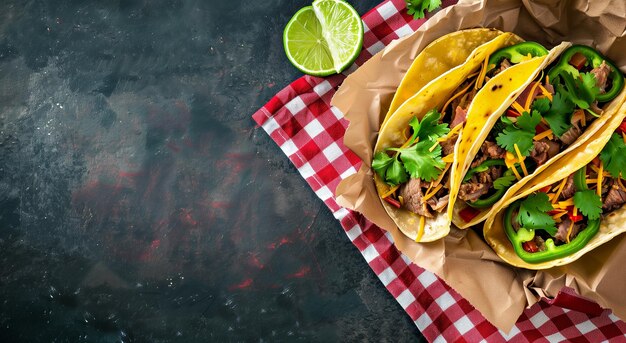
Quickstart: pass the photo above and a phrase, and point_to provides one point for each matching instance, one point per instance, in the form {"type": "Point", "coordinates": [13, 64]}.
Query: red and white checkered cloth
{"type": "Point", "coordinates": [310, 132]}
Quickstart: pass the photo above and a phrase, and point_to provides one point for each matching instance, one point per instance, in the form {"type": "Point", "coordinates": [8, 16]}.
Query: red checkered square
{"type": "Point", "coordinates": [310, 132]}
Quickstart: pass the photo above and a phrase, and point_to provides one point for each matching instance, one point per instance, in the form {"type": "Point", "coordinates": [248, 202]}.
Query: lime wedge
{"type": "Point", "coordinates": [325, 38]}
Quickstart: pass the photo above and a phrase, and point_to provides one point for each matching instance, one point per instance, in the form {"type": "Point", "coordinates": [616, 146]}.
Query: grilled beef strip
{"type": "Point", "coordinates": [411, 193]}
{"type": "Point", "coordinates": [601, 73]}
{"type": "Point", "coordinates": [614, 199]}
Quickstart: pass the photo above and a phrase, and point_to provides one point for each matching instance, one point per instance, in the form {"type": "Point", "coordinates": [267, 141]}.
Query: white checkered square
{"type": "Point", "coordinates": [514, 331]}
{"type": "Point", "coordinates": [387, 276]}
{"type": "Point", "coordinates": [440, 339]}
{"type": "Point", "coordinates": [539, 319]}
{"type": "Point", "coordinates": [324, 193]}
{"type": "Point", "coordinates": [375, 48]}
{"type": "Point", "coordinates": [404, 31]}
{"type": "Point", "coordinates": [348, 172]}
{"type": "Point", "coordinates": [338, 114]}
{"type": "Point", "coordinates": [270, 125]}
{"type": "Point", "coordinates": [340, 213]}
{"type": "Point", "coordinates": [295, 105]}
{"type": "Point", "coordinates": [366, 28]}
{"type": "Point", "coordinates": [423, 321]}
{"type": "Point", "coordinates": [354, 232]}
{"type": "Point", "coordinates": [556, 337]}
{"type": "Point", "coordinates": [370, 253]}
{"type": "Point", "coordinates": [332, 152]}
{"type": "Point", "coordinates": [445, 301]}
{"type": "Point", "coordinates": [322, 88]}
{"type": "Point", "coordinates": [313, 128]}
{"type": "Point", "coordinates": [306, 170]}
{"type": "Point", "coordinates": [427, 278]}
{"type": "Point", "coordinates": [585, 327]}
{"type": "Point", "coordinates": [387, 10]}
{"type": "Point", "coordinates": [289, 148]}
{"type": "Point", "coordinates": [406, 298]}
{"type": "Point", "coordinates": [464, 324]}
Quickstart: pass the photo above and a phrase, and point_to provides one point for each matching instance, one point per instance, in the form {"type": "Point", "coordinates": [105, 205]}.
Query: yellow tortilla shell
{"type": "Point", "coordinates": [433, 95]}
{"type": "Point", "coordinates": [612, 225]}
{"type": "Point", "coordinates": [486, 108]}
{"type": "Point", "coordinates": [443, 54]}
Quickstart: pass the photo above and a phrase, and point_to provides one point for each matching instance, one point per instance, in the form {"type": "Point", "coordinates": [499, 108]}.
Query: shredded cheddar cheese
{"type": "Point", "coordinates": [521, 160]}
{"type": "Point", "coordinates": [591, 181]}
{"type": "Point", "coordinates": [401, 199]}
{"type": "Point", "coordinates": [559, 190]}
{"type": "Point", "coordinates": [448, 159]}
{"type": "Point", "coordinates": [483, 73]}
{"type": "Point", "coordinates": [569, 231]}
{"type": "Point", "coordinates": [460, 93]}
{"type": "Point", "coordinates": [559, 215]}
{"type": "Point", "coordinates": [432, 193]}
{"type": "Point", "coordinates": [530, 96]}
{"type": "Point", "coordinates": [451, 133]}
{"type": "Point", "coordinates": [547, 133]}
{"type": "Point", "coordinates": [600, 175]}
{"type": "Point", "coordinates": [565, 203]}
{"type": "Point", "coordinates": [545, 92]}
{"type": "Point", "coordinates": [621, 185]}
{"type": "Point", "coordinates": [443, 173]}
{"type": "Point", "coordinates": [434, 146]}
{"type": "Point", "coordinates": [518, 107]}
{"type": "Point", "coordinates": [390, 192]}
{"type": "Point", "coordinates": [420, 230]}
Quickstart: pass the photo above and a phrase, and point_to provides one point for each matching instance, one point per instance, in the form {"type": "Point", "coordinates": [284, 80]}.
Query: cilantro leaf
{"type": "Point", "coordinates": [589, 203]}
{"type": "Point", "coordinates": [381, 162]}
{"type": "Point", "coordinates": [521, 134]}
{"type": "Point", "coordinates": [395, 173]}
{"type": "Point", "coordinates": [429, 128]}
{"type": "Point", "coordinates": [559, 117]}
{"type": "Point", "coordinates": [533, 213]}
{"type": "Point", "coordinates": [503, 182]}
{"type": "Point", "coordinates": [590, 85]}
{"type": "Point", "coordinates": [417, 7]}
{"type": "Point", "coordinates": [511, 136]}
{"type": "Point", "coordinates": [528, 122]}
{"type": "Point", "coordinates": [420, 162]}
{"type": "Point", "coordinates": [582, 90]}
{"type": "Point", "coordinates": [542, 105]}
{"type": "Point", "coordinates": [613, 156]}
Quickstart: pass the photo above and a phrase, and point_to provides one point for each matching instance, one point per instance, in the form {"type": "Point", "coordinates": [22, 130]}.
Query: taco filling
{"type": "Point", "coordinates": [547, 117]}
{"type": "Point", "coordinates": [560, 219]}
{"type": "Point", "coordinates": [417, 171]}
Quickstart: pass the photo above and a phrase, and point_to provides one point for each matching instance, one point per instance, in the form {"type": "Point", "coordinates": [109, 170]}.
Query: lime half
{"type": "Point", "coordinates": [324, 38]}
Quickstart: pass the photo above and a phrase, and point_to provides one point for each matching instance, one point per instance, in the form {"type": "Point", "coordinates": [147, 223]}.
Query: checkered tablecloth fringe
{"type": "Point", "coordinates": [310, 132]}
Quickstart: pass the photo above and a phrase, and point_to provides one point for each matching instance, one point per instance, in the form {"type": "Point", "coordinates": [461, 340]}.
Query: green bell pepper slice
{"type": "Point", "coordinates": [594, 58]}
{"type": "Point", "coordinates": [552, 251]}
{"type": "Point", "coordinates": [516, 53]}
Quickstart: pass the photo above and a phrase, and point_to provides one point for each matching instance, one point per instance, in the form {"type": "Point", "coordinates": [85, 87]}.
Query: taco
{"type": "Point", "coordinates": [416, 146]}
{"type": "Point", "coordinates": [573, 206]}
{"type": "Point", "coordinates": [440, 56]}
{"type": "Point", "coordinates": [533, 126]}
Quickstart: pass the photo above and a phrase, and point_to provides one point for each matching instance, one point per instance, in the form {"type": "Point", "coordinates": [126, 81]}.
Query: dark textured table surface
{"type": "Point", "coordinates": [139, 202]}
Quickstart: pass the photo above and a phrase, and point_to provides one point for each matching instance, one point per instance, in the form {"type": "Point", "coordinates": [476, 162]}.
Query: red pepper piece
{"type": "Point", "coordinates": [622, 127]}
{"type": "Point", "coordinates": [468, 213]}
{"type": "Point", "coordinates": [596, 161]}
{"type": "Point", "coordinates": [512, 113]}
{"type": "Point", "coordinates": [393, 202]}
{"type": "Point", "coordinates": [539, 129]}
{"type": "Point", "coordinates": [578, 60]}
{"type": "Point", "coordinates": [546, 189]}
{"type": "Point", "coordinates": [530, 246]}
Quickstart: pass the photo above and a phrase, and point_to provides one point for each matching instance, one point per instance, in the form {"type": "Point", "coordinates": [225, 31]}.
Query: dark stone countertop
{"type": "Point", "coordinates": [139, 202]}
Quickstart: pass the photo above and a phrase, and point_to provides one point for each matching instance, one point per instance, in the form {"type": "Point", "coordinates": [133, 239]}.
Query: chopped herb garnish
{"type": "Point", "coordinates": [504, 181]}
{"type": "Point", "coordinates": [613, 156]}
{"type": "Point", "coordinates": [589, 203]}
{"type": "Point", "coordinates": [533, 213]}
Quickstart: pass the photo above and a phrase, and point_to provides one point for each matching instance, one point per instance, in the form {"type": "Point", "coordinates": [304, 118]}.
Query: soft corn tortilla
{"type": "Point", "coordinates": [486, 108]}
{"type": "Point", "coordinates": [443, 54]}
{"type": "Point", "coordinates": [433, 95]}
{"type": "Point", "coordinates": [611, 225]}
